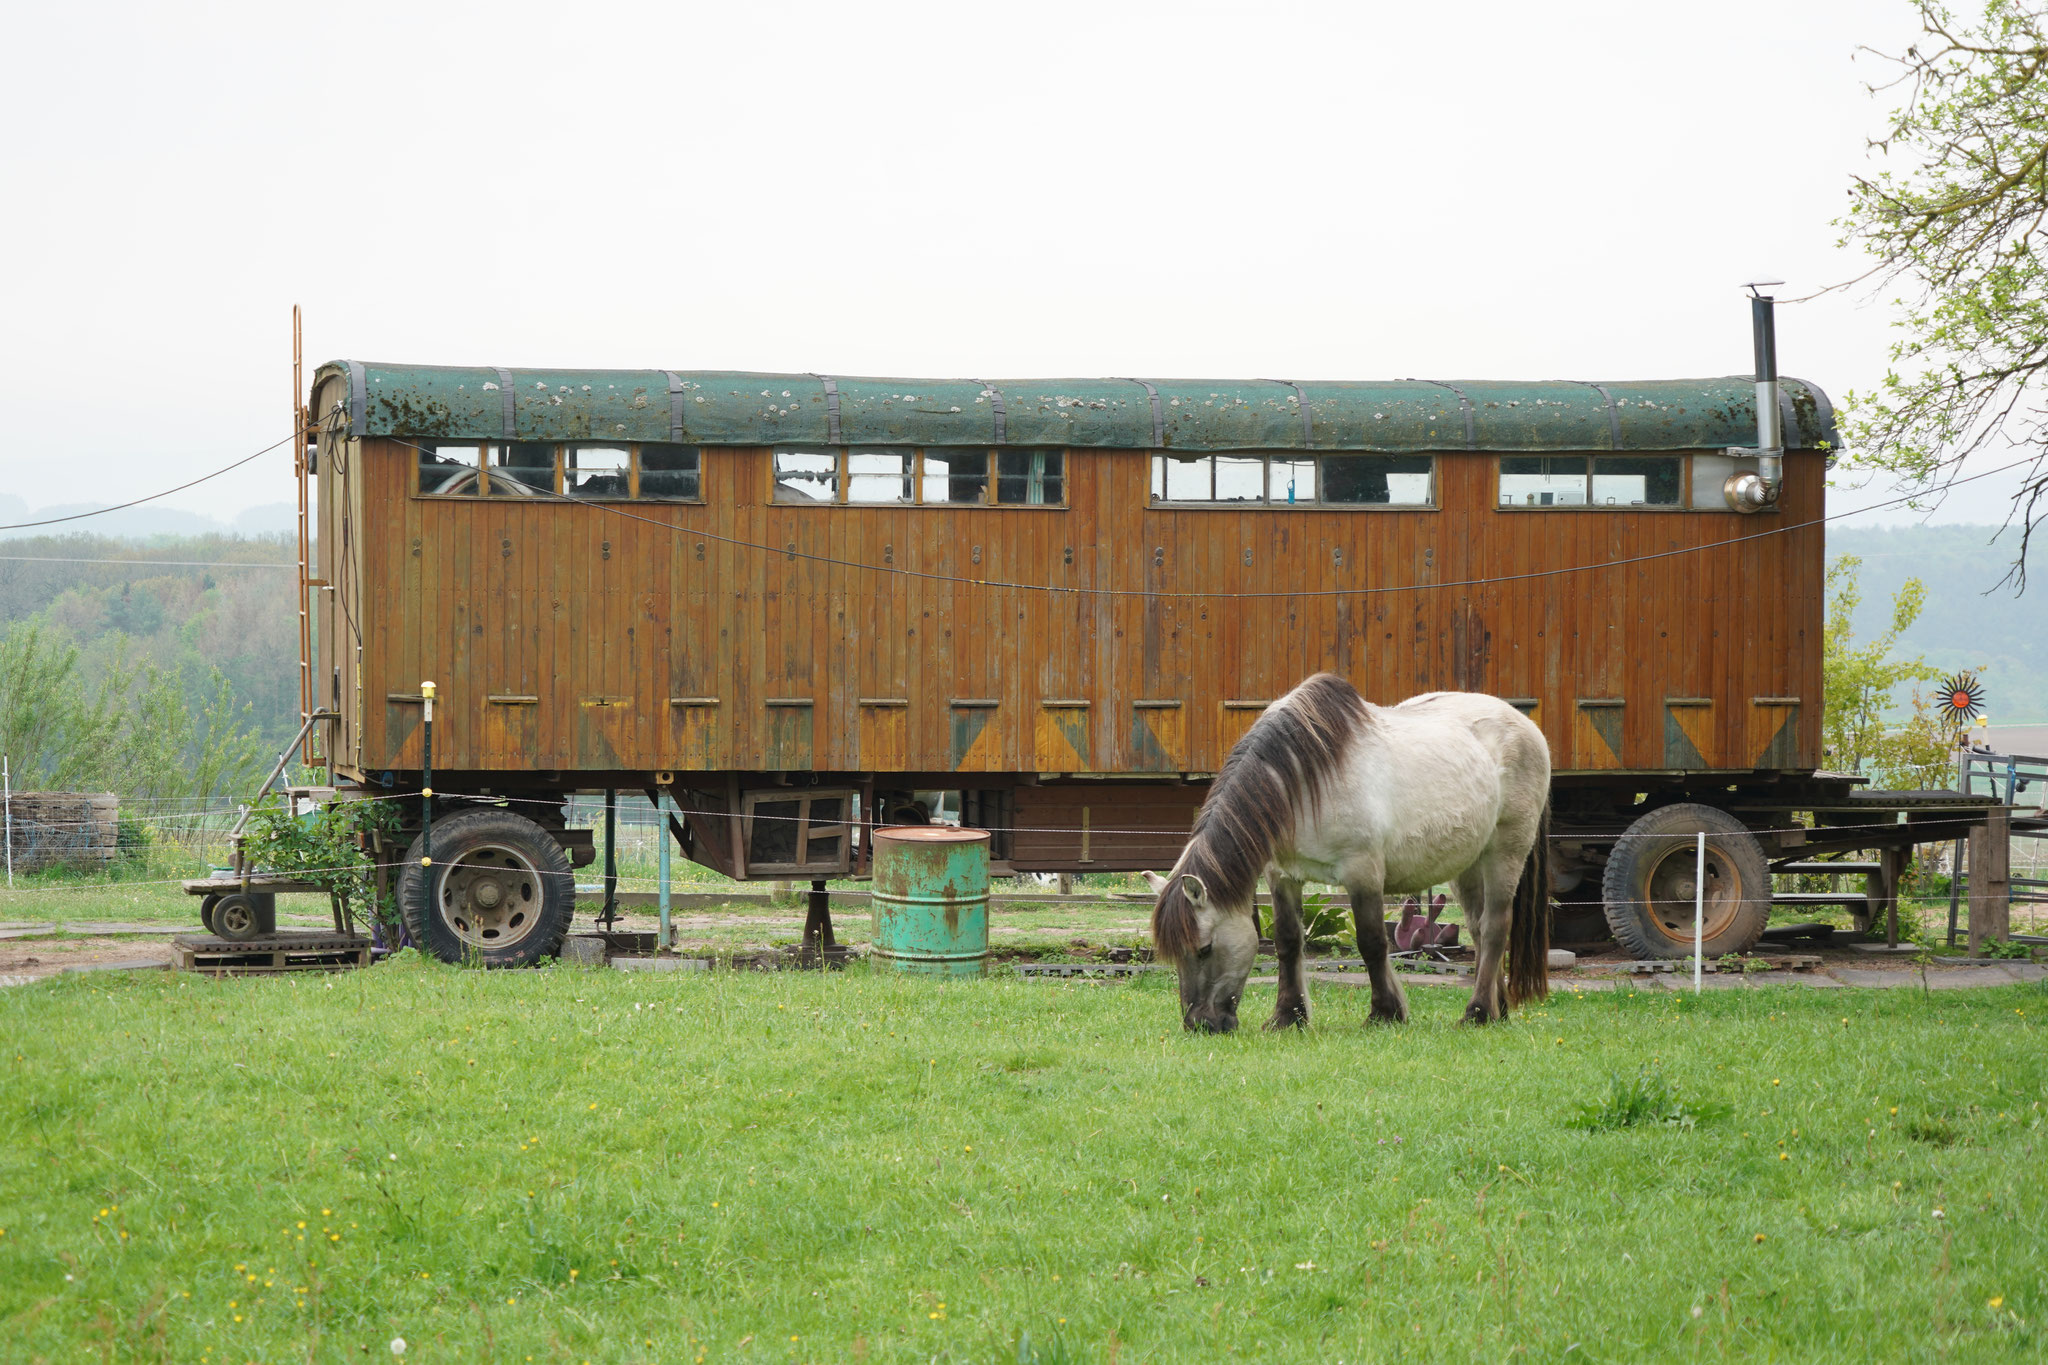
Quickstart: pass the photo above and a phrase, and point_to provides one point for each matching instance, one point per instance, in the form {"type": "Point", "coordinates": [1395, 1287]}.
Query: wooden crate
{"type": "Point", "coordinates": [292, 950]}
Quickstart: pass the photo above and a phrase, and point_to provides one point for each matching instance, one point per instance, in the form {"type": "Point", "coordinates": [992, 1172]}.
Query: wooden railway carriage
{"type": "Point", "coordinates": [795, 601]}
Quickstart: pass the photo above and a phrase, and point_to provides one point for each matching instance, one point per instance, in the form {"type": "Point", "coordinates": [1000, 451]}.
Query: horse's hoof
{"type": "Point", "coordinates": [1380, 1016]}
{"type": "Point", "coordinates": [1287, 1019]}
{"type": "Point", "coordinates": [1476, 1015]}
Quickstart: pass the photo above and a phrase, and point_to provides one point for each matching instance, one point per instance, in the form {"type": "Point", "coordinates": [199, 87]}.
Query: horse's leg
{"type": "Point", "coordinates": [1486, 914]}
{"type": "Point", "coordinates": [1369, 917]}
{"type": "Point", "coordinates": [1291, 1009]}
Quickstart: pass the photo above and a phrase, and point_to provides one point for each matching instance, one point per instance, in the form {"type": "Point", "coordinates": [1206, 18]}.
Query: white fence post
{"type": "Point", "coordinates": [1699, 906]}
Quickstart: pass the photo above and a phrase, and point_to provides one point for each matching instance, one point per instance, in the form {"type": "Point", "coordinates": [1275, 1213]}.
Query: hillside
{"type": "Point", "coordinates": [1970, 621]}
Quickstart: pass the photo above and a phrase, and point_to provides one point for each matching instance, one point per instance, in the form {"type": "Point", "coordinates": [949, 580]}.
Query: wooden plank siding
{"type": "Point", "coordinates": [604, 619]}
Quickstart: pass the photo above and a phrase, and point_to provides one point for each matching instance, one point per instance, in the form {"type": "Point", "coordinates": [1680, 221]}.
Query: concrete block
{"type": "Point", "coordinates": [585, 950]}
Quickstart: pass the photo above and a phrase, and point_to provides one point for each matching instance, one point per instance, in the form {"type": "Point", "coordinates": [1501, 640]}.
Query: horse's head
{"type": "Point", "coordinates": [1212, 946]}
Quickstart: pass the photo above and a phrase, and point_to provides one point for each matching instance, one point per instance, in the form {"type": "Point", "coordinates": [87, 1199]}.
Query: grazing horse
{"type": "Point", "coordinates": [1326, 787]}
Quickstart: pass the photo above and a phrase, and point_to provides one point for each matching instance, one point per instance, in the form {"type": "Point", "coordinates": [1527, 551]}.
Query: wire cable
{"type": "Point", "coordinates": [193, 483]}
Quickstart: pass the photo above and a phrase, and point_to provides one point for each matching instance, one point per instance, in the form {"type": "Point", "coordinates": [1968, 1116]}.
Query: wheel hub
{"type": "Point", "coordinates": [1675, 892]}
{"type": "Point", "coordinates": [490, 896]}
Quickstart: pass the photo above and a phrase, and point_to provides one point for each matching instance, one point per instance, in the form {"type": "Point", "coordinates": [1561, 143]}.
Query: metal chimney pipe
{"type": "Point", "coordinates": [1770, 430]}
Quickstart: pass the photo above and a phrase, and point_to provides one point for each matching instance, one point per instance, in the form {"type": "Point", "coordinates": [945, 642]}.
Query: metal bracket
{"type": "Point", "coordinates": [508, 403]}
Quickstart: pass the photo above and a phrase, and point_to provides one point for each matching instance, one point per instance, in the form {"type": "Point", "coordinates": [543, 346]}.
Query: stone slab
{"type": "Point", "coordinates": [1885, 949]}
{"type": "Point", "coordinates": [28, 931]}
{"type": "Point", "coordinates": [126, 964]}
{"type": "Point", "coordinates": [585, 950]}
{"type": "Point", "coordinates": [661, 964]}
{"type": "Point", "coordinates": [98, 928]}
{"type": "Point", "coordinates": [14, 979]}
{"type": "Point", "coordinates": [1794, 979]}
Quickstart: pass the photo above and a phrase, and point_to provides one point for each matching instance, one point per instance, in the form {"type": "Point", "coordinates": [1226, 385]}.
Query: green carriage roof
{"type": "Point", "coordinates": [716, 408]}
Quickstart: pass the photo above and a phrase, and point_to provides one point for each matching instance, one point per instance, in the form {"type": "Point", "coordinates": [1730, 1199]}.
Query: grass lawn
{"type": "Point", "coordinates": [569, 1165]}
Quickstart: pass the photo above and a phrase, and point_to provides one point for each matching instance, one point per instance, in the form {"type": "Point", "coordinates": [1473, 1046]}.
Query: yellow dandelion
{"type": "Point", "coordinates": [1759, 1237]}
{"type": "Point", "coordinates": [1997, 1302]}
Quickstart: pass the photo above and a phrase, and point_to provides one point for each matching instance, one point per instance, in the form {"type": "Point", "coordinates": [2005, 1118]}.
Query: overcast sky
{"type": "Point", "coordinates": [1361, 190]}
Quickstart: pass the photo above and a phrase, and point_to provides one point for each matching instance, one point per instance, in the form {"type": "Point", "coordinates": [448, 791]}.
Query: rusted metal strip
{"type": "Point", "coordinates": [675, 406]}
{"type": "Point", "coordinates": [1158, 413]}
{"type": "Point", "coordinates": [1613, 413]}
{"type": "Point", "coordinates": [789, 701]}
{"type": "Point", "coordinates": [1156, 704]}
{"type": "Point", "coordinates": [508, 404]}
{"type": "Point", "coordinates": [831, 407]}
{"type": "Point", "coordinates": [1465, 406]}
{"type": "Point", "coordinates": [358, 400]}
{"type": "Point", "coordinates": [1065, 703]}
{"type": "Point", "coordinates": [1308, 429]}
{"type": "Point", "coordinates": [1245, 704]}
{"type": "Point", "coordinates": [976, 703]}
{"type": "Point", "coordinates": [995, 396]}
{"type": "Point", "coordinates": [885, 701]}
{"type": "Point", "coordinates": [509, 699]}
{"type": "Point", "coordinates": [693, 701]}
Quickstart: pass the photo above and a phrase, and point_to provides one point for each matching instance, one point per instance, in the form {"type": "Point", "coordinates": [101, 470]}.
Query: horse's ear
{"type": "Point", "coordinates": [1156, 882]}
{"type": "Point", "coordinates": [1191, 887]}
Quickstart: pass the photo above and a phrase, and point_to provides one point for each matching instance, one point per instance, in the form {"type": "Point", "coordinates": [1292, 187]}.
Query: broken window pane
{"type": "Point", "coordinates": [1543, 481]}
{"type": "Point", "coordinates": [450, 470]}
{"type": "Point", "coordinates": [1378, 480]}
{"type": "Point", "coordinates": [955, 476]}
{"type": "Point", "coordinates": [879, 476]}
{"type": "Point", "coordinates": [806, 476]}
{"type": "Point", "coordinates": [668, 471]}
{"type": "Point", "coordinates": [596, 471]}
{"type": "Point", "coordinates": [522, 469]}
{"type": "Point", "coordinates": [1183, 478]}
{"type": "Point", "coordinates": [1031, 476]}
{"type": "Point", "coordinates": [1637, 480]}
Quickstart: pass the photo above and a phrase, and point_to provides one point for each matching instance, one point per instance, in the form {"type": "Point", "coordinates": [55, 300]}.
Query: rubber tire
{"type": "Point", "coordinates": [206, 905]}
{"type": "Point", "coordinates": [1656, 836]}
{"type": "Point", "coordinates": [471, 829]}
{"type": "Point", "coordinates": [260, 922]}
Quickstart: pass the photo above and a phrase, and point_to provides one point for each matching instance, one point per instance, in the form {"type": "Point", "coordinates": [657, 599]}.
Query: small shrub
{"type": "Point", "coordinates": [1325, 923]}
{"type": "Point", "coordinates": [2007, 949]}
{"type": "Point", "coordinates": [132, 839]}
{"type": "Point", "coordinates": [1645, 1100]}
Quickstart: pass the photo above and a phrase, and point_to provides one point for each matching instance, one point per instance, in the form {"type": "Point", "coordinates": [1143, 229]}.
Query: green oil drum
{"type": "Point", "coordinates": [930, 900]}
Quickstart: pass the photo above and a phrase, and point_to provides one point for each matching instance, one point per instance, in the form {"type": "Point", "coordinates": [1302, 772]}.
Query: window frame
{"type": "Point", "coordinates": [915, 473]}
{"type": "Point", "coordinates": [1156, 501]}
{"type": "Point", "coordinates": [1592, 459]}
{"type": "Point", "coordinates": [558, 472]}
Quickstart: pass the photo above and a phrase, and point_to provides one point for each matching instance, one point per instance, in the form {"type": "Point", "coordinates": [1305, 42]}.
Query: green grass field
{"type": "Point", "coordinates": [571, 1165]}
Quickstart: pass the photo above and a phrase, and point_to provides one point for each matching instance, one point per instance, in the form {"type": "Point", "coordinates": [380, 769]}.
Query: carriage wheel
{"type": "Point", "coordinates": [206, 911]}
{"type": "Point", "coordinates": [1650, 888]}
{"type": "Point", "coordinates": [501, 891]}
{"type": "Point", "coordinates": [240, 916]}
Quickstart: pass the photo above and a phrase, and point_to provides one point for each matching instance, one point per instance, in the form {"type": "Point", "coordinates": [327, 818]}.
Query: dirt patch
{"type": "Point", "coordinates": [40, 957]}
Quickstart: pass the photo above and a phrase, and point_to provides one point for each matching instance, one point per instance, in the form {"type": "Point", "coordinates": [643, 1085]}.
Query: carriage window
{"type": "Point", "coordinates": [671, 472]}
{"type": "Point", "coordinates": [1637, 480]}
{"type": "Point", "coordinates": [874, 476]}
{"type": "Point", "coordinates": [954, 476]}
{"type": "Point", "coordinates": [806, 476]}
{"type": "Point", "coordinates": [1284, 480]}
{"type": "Point", "coordinates": [1030, 476]}
{"type": "Point", "coordinates": [597, 471]}
{"type": "Point", "coordinates": [1596, 481]}
{"type": "Point", "coordinates": [1290, 480]}
{"type": "Point", "coordinates": [448, 470]}
{"type": "Point", "coordinates": [1377, 480]}
{"type": "Point", "coordinates": [1543, 481]}
{"type": "Point", "coordinates": [522, 469]}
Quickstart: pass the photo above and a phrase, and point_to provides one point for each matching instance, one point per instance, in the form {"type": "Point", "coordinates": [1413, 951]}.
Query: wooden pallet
{"type": "Point", "coordinates": [289, 950]}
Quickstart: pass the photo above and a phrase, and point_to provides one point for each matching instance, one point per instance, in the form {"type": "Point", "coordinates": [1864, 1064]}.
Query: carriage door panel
{"type": "Point", "coordinates": [1596, 733]}
{"type": "Point", "coordinates": [1773, 732]}
{"type": "Point", "coordinates": [1060, 742]}
{"type": "Point", "coordinates": [1159, 736]}
{"type": "Point", "coordinates": [1690, 737]}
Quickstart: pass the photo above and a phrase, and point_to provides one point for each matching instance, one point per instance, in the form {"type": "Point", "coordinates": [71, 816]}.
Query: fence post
{"type": "Point", "coordinates": [661, 810]}
{"type": "Point", "coordinates": [427, 793]}
{"type": "Point", "coordinates": [611, 856]}
{"type": "Point", "coordinates": [1699, 906]}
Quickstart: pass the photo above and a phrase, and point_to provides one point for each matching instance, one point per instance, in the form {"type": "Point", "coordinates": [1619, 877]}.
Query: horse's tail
{"type": "Point", "coordinates": [1529, 925]}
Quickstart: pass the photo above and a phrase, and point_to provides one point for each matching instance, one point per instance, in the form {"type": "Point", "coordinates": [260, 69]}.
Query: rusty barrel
{"type": "Point", "coordinates": [930, 900]}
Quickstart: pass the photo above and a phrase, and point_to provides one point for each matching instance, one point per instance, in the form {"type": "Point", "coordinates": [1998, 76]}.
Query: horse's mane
{"type": "Point", "coordinates": [1273, 777]}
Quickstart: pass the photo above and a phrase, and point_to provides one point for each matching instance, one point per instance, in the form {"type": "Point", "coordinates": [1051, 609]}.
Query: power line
{"type": "Point", "coordinates": [194, 483]}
